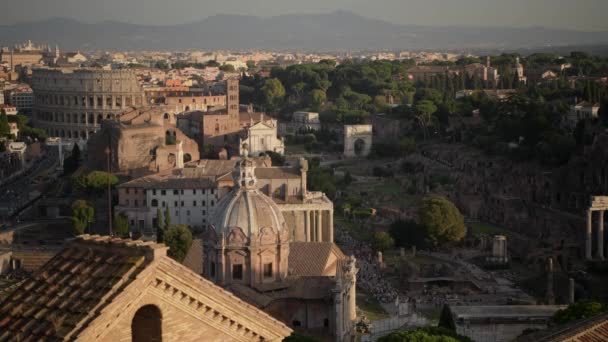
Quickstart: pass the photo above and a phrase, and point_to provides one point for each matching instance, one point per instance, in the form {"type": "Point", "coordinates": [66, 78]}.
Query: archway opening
{"type": "Point", "coordinates": [359, 146]}
{"type": "Point", "coordinates": [147, 325]}
{"type": "Point", "coordinates": [187, 157]}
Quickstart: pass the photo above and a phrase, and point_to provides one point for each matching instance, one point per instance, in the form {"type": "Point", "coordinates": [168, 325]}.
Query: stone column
{"type": "Point", "coordinates": [307, 225]}
{"type": "Point", "coordinates": [338, 313]}
{"type": "Point", "coordinates": [600, 236]}
{"type": "Point", "coordinates": [588, 234]}
{"type": "Point", "coordinates": [330, 224]}
{"type": "Point", "coordinates": [318, 225]}
{"type": "Point", "coordinates": [220, 270]}
{"type": "Point", "coordinates": [570, 291]}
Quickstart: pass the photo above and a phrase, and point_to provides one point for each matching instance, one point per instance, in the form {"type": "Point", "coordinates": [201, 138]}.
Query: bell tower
{"type": "Point", "coordinates": [245, 174]}
{"type": "Point", "coordinates": [232, 98]}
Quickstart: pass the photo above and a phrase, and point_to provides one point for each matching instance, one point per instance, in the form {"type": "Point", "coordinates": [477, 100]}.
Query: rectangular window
{"type": "Point", "coordinates": [194, 192]}
{"type": "Point", "coordinates": [164, 204]}
{"type": "Point", "coordinates": [194, 203]}
{"type": "Point", "coordinates": [182, 204]}
{"type": "Point", "coordinates": [182, 192]}
{"type": "Point", "coordinates": [212, 203]}
{"type": "Point", "coordinates": [154, 192]}
{"type": "Point", "coordinates": [136, 203]}
{"type": "Point", "coordinates": [212, 269]}
{"type": "Point", "coordinates": [175, 192]}
{"type": "Point", "coordinates": [175, 204]}
{"type": "Point", "coordinates": [204, 203]}
{"type": "Point", "coordinates": [163, 192]}
{"type": "Point", "coordinates": [237, 272]}
{"type": "Point", "coordinates": [268, 270]}
{"type": "Point", "coordinates": [204, 212]}
{"type": "Point", "coordinates": [127, 190]}
{"type": "Point", "coordinates": [127, 202]}
{"type": "Point", "coordinates": [187, 212]}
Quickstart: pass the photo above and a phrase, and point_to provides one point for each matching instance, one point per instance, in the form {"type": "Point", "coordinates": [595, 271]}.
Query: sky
{"type": "Point", "coordinates": [587, 15]}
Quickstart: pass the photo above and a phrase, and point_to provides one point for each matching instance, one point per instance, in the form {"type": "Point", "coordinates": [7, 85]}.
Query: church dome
{"type": "Point", "coordinates": [247, 208]}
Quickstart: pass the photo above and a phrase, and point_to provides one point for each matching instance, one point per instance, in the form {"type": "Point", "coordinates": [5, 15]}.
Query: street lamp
{"type": "Point", "coordinates": [108, 152]}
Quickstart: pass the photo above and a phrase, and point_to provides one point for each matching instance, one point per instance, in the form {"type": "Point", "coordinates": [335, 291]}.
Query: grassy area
{"type": "Point", "coordinates": [486, 228]}
{"type": "Point", "coordinates": [370, 307]}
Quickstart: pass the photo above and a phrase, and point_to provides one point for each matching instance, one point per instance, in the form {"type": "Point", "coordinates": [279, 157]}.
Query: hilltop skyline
{"type": "Point", "coordinates": [585, 15]}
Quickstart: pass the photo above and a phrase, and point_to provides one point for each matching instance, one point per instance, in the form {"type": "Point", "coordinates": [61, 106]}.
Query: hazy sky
{"type": "Point", "coordinates": [574, 14]}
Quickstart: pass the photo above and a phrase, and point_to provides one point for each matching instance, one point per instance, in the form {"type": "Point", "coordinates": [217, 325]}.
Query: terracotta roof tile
{"type": "Point", "coordinates": [309, 259]}
{"type": "Point", "coordinates": [65, 291]}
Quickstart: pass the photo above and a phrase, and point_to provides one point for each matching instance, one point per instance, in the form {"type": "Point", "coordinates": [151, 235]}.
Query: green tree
{"type": "Point", "coordinates": [162, 65]}
{"type": "Point", "coordinates": [250, 65]}
{"type": "Point", "coordinates": [317, 99]}
{"type": "Point", "coordinates": [5, 129]}
{"type": "Point", "coordinates": [120, 227]}
{"type": "Point", "coordinates": [442, 220]}
{"type": "Point", "coordinates": [71, 163]}
{"type": "Point", "coordinates": [227, 68]}
{"type": "Point", "coordinates": [273, 91]}
{"type": "Point", "coordinates": [383, 241]}
{"type": "Point", "coordinates": [83, 215]}
{"type": "Point", "coordinates": [425, 110]}
{"type": "Point", "coordinates": [579, 310]}
{"type": "Point", "coordinates": [179, 240]}
{"type": "Point", "coordinates": [427, 334]}
{"type": "Point", "coordinates": [98, 181]}
{"type": "Point", "coordinates": [160, 229]}
{"type": "Point", "coordinates": [167, 217]}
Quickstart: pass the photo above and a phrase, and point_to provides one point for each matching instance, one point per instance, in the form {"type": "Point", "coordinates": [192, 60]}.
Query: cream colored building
{"type": "Point", "coordinates": [261, 137]}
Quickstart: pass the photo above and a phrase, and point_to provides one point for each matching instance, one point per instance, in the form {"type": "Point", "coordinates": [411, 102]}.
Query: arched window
{"type": "Point", "coordinates": [147, 325]}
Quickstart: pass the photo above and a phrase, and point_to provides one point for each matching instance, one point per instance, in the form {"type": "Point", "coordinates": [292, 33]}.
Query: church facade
{"type": "Point", "coordinates": [250, 249]}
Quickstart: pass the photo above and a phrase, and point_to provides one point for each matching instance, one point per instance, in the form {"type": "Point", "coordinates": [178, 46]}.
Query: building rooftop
{"type": "Point", "coordinates": [73, 286]}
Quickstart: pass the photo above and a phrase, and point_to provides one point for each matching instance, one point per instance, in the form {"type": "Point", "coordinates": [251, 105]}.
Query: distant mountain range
{"type": "Point", "coordinates": [319, 32]}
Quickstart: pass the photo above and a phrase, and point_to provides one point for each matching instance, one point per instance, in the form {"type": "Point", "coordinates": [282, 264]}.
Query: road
{"type": "Point", "coordinates": [15, 195]}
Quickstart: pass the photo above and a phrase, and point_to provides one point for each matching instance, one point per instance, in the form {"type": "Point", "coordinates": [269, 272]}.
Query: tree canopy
{"type": "Point", "coordinates": [427, 334]}
{"type": "Point", "coordinates": [179, 240]}
{"type": "Point", "coordinates": [83, 215]}
{"type": "Point", "coordinates": [579, 310]}
{"type": "Point", "coordinates": [442, 220]}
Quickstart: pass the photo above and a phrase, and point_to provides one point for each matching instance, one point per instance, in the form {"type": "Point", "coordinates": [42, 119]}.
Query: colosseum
{"type": "Point", "coordinates": [72, 103]}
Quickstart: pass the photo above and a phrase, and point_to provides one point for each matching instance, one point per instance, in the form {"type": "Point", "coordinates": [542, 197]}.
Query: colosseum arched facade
{"type": "Point", "coordinates": [72, 103]}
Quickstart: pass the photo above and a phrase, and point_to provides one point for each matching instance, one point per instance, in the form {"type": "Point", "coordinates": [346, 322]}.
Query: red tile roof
{"type": "Point", "coordinates": [72, 287]}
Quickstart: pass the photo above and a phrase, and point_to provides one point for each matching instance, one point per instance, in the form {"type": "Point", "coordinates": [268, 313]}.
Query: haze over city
{"type": "Point", "coordinates": [304, 171]}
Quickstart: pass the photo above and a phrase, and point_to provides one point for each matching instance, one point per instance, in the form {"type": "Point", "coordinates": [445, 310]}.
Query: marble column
{"type": "Point", "coordinates": [318, 225]}
{"type": "Point", "coordinates": [588, 234]}
{"type": "Point", "coordinates": [307, 225]}
{"type": "Point", "coordinates": [600, 236]}
{"type": "Point", "coordinates": [330, 223]}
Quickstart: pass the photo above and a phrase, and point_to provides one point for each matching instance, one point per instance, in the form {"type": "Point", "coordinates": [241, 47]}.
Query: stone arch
{"type": "Point", "coordinates": [187, 157]}
{"type": "Point", "coordinates": [359, 146]}
{"type": "Point", "coordinates": [187, 108]}
{"type": "Point", "coordinates": [146, 325]}
{"type": "Point", "coordinates": [166, 116]}
{"type": "Point", "coordinates": [357, 140]}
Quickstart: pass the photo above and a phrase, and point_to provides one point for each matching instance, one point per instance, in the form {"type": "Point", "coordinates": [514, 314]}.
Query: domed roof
{"type": "Point", "coordinates": [249, 210]}
{"type": "Point", "coordinates": [246, 207]}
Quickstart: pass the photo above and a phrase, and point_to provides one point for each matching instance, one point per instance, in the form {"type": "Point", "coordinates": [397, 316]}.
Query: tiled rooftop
{"type": "Point", "coordinates": [72, 287]}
